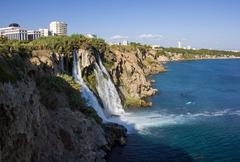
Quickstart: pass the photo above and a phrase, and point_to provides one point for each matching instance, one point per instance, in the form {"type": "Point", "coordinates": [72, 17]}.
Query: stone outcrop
{"type": "Point", "coordinates": [87, 57]}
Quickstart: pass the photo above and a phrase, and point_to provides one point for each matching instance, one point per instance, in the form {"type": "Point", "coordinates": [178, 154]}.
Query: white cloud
{"type": "Point", "coordinates": [119, 37]}
{"type": "Point", "coordinates": [150, 36]}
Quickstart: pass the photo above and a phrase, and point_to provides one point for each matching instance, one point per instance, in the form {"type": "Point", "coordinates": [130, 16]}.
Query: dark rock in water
{"type": "Point", "coordinates": [115, 134]}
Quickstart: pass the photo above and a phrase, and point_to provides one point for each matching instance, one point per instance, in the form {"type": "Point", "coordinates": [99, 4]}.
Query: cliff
{"type": "Point", "coordinates": [129, 70]}
{"type": "Point", "coordinates": [43, 116]}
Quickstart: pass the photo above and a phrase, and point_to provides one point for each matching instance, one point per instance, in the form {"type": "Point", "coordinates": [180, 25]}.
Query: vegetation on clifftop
{"type": "Point", "coordinates": [190, 52]}
{"type": "Point", "coordinates": [66, 44]}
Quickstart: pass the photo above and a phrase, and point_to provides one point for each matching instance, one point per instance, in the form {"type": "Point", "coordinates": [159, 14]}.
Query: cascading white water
{"type": "Point", "coordinates": [108, 94]}
{"type": "Point", "coordinates": [107, 91]}
{"type": "Point", "coordinates": [85, 91]}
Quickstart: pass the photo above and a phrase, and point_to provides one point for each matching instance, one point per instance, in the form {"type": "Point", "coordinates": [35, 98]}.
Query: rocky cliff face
{"type": "Point", "coordinates": [42, 114]}
{"type": "Point", "coordinates": [129, 72]}
{"type": "Point", "coordinates": [128, 68]}
{"type": "Point", "coordinates": [44, 118]}
{"type": "Point", "coordinates": [32, 132]}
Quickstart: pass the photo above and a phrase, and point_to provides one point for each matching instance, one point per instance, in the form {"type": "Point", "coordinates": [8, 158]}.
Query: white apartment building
{"type": "Point", "coordinates": [58, 28]}
{"type": "Point", "coordinates": [33, 34]}
{"type": "Point", "coordinates": [14, 32]}
{"type": "Point", "coordinates": [125, 43]}
{"type": "Point", "coordinates": [179, 44]}
{"type": "Point", "coordinates": [44, 32]}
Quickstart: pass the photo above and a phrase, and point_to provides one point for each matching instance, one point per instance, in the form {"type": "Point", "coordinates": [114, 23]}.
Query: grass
{"type": "Point", "coordinates": [149, 61]}
{"type": "Point", "coordinates": [108, 64]}
{"type": "Point", "coordinates": [160, 53]}
{"type": "Point", "coordinates": [91, 81]}
{"type": "Point", "coordinates": [131, 101]}
{"type": "Point", "coordinates": [12, 67]}
{"type": "Point", "coordinates": [64, 84]}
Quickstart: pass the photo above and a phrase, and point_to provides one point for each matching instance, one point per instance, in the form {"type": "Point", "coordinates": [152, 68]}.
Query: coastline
{"type": "Point", "coordinates": [123, 151]}
{"type": "Point", "coordinates": [149, 105]}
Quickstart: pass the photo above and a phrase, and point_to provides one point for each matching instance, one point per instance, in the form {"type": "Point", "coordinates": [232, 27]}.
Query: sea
{"type": "Point", "coordinates": [195, 116]}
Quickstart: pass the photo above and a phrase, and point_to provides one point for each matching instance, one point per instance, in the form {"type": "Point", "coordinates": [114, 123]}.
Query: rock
{"type": "Point", "coordinates": [44, 61]}
{"type": "Point", "coordinates": [87, 57]}
{"type": "Point", "coordinates": [36, 126]}
{"type": "Point", "coordinates": [115, 134]}
{"type": "Point", "coordinates": [130, 71]}
{"type": "Point", "coordinates": [31, 132]}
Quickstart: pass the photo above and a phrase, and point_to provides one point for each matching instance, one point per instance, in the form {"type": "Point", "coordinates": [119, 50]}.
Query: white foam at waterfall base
{"type": "Point", "coordinates": [143, 120]}
{"type": "Point", "coordinates": [85, 91]}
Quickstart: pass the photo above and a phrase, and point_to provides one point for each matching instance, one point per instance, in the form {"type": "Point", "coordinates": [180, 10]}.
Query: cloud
{"type": "Point", "coordinates": [119, 37]}
{"type": "Point", "coordinates": [150, 36]}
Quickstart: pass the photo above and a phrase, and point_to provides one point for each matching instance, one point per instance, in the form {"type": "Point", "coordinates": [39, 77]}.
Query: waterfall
{"type": "Point", "coordinates": [112, 110]}
{"type": "Point", "coordinates": [107, 91]}
{"type": "Point", "coordinates": [85, 91]}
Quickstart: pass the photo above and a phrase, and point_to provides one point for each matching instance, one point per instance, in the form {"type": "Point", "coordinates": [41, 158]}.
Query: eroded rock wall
{"type": "Point", "coordinates": [40, 121]}
{"type": "Point", "coordinates": [129, 73]}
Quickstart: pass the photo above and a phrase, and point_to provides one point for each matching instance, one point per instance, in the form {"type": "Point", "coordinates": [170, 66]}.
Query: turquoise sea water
{"type": "Point", "coordinates": [195, 116]}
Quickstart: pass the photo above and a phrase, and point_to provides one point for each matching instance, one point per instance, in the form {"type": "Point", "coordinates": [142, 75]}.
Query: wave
{"type": "Point", "coordinates": [142, 121]}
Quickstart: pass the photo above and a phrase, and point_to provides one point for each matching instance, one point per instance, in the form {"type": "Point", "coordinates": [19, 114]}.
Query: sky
{"type": "Point", "coordinates": [211, 24]}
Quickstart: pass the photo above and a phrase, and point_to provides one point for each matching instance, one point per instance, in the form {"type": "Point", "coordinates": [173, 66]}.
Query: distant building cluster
{"type": "Point", "coordinates": [15, 32]}
{"type": "Point", "coordinates": [179, 45]}
{"type": "Point", "coordinates": [123, 43]}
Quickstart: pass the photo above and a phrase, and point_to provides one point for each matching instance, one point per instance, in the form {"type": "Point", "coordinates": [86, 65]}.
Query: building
{"type": "Point", "coordinates": [45, 32]}
{"type": "Point", "coordinates": [33, 34]}
{"type": "Point", "coordinates": [91, 35]}
{"type": "Point", "coordinates": [14, 32]}
{"type": "Point", "coordinates": [58, 28]}
{"type": "Point", "coordinates": [179, 44]}
{"type": "Point", "coordinates": [124, 42]}
{"type": "Point", "coordinates": [155, 46]}
{"type": "Point", "coordinates": [189, 47]}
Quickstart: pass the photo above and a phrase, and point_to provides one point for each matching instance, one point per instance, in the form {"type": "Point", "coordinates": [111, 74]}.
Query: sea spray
{"type": "Point", "coordinates": [85, 91]}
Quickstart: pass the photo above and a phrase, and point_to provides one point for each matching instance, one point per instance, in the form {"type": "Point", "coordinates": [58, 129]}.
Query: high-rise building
{"type": "Point", "coordinates": [14, 32]}
{"type": "Point", "coordinates": [44, 32]}
{"type": "Point", "coordinates": [179, 44]}
{"type": "Point", "coordinates": [58, 28]}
